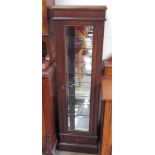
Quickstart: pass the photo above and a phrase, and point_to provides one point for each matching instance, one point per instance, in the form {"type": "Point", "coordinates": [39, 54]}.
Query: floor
{"type": "Point", "coordinates": [71, 153]}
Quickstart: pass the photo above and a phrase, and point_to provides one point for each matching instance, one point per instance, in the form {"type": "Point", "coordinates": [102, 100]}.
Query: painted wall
{"type": "Point", "coordinates": [107, 48]}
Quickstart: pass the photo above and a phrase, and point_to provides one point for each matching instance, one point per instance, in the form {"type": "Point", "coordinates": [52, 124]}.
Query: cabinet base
{"type": "Point", "coordinates": [81, 148]}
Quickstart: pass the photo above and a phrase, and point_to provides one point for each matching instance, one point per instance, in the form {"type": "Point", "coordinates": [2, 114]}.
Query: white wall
{"type": "Point", "coordinates": [107, 48]}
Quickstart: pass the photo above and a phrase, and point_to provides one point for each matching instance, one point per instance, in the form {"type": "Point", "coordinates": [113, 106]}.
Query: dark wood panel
{"type": "Point", "coordinates": [49, 108]}
{"type": "Point", "coordinates": [97, 73]}
{"type": "Point", "coordinates": [52, 40]}
{"type": "Point", "coordinates": [49, 39]}
{"type": "Point", "coordinates": [43, 133]}
{"type": "Point", "coordinates": [93, 149]}
{"type": "Point", "coordinates": [79, 139]}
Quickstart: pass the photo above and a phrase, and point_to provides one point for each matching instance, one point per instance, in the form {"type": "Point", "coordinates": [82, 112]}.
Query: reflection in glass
{"type": "Point", "coordinates": [78, 46]}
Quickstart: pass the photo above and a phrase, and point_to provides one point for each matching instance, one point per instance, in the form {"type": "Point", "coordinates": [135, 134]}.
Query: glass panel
{"type": "Point", "coordinates": [78, 47]}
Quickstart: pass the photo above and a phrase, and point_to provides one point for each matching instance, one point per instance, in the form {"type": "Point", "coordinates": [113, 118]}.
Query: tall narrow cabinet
{"type": "Point", "coordinates": [79, 32]}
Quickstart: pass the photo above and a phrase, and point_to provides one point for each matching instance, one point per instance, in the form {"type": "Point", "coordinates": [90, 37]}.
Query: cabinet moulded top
{"type": "Point", "coordinates": [77, 12]}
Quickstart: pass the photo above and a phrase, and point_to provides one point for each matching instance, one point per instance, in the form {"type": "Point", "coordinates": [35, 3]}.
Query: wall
{"type": "Point", "coordinates": [107, 48]}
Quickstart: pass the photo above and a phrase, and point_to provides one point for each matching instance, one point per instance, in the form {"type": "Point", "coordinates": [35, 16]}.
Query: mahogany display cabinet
{"type": "Point", "coordinates": [79, 32]}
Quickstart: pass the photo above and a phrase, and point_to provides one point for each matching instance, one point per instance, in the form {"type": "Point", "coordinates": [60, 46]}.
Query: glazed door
{"type": "Point", "coordinates": [78, 64]}
{"type": "Point", "coordinates": [76, 72]}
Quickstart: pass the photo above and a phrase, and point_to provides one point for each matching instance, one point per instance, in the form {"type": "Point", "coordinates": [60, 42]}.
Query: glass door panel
{"type": "Point", "coordinates": [78, 48]}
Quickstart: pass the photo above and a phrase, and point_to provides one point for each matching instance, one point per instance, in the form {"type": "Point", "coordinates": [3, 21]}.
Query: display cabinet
{"type": "Point", "coordinates": [79, 42]}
